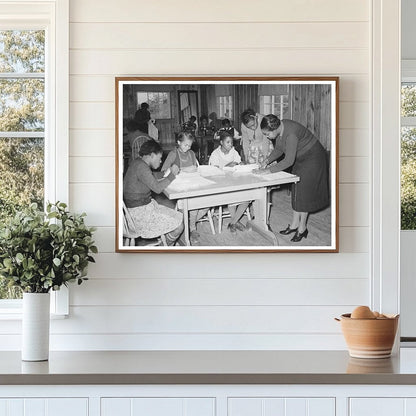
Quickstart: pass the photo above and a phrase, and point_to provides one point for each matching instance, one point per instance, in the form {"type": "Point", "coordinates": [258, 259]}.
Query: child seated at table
{"type": "Point", "coordinates": [184, 158]}
{"type": "Point", "coordinates": [149, 219]}
{"type": "Point", "coordinates": [226, 127]}
{"type": "Point", "coordinates": [226, 155]}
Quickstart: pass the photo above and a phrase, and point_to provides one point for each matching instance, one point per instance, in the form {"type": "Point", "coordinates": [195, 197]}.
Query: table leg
{"type": "Point", "coordinates": [259, 224]}
{"type": "Point", "coordinates": [186, 221]}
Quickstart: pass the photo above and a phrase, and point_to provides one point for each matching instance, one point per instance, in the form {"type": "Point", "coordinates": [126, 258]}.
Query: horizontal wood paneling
{"type": "Point", "coordinates": [96, 199]}
{"type": "Point", "coordinates": [92, 88]}
{"type": "Point", "coordinates": [354, 170]}
{"type": "Point", "coordinates": [287, 62]}
{"type": "Point", "coordinates": [105, 239]}
{"type": "Point", "coordinates": [195, 320]}
{"type": "Point", "coordinates": [93, 143]}
{"type": "Point", "coordinates": [215, 11]}
{"type": "Point", "coordinates": [220, 291]}
{"type": "Point", "coordinates": [354, 239]}
{"type": "Point", "coordinates": [261, 301]}
{"type": "Point", "coordinates": [354, 142]}
{"type": "Point", "coordinates": [221, 35]}
{"type": "Point", "coordinates": [201, 319]}
{"type": "Point", "coordinates": [99, 88]}
{"type": "Point", "coordinates": [354, 200]}
{"type": "Point", "coordinates": [89, 169]}
{"type": "Point", "coordinates": [146, 342]}
{"type": "Point", "coordinates": [266, 265]}
{"type": "Point", "coordinates": [97, 115]}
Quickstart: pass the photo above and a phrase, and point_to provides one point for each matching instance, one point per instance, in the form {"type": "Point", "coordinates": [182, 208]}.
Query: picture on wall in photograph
{"type": "Point", "coordinates": [236, 164]}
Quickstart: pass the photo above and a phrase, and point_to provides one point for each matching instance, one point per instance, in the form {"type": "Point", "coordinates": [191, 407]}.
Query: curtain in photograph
{"type": "Point", "coordinates": [245, 96]}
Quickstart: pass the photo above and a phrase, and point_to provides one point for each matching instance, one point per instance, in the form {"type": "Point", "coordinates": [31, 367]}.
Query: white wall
{"type": "Point", "coordinates": [215, 301]}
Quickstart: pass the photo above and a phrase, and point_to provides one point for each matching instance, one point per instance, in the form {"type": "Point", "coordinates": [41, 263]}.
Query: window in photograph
{"type": "Point", "coordinates": [225, 106]}
{"type": "Point", "coordinates": [408, 156]}
{"type": "Point", "coordinates": [22, 124]}
{"type": "Point", "coordinates": [159, 104]}
{"type": "Point", "coordinates": [275, 104]}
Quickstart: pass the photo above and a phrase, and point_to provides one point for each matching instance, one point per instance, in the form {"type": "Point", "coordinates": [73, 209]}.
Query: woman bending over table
{"type": "Point", "coordinates": [304, 153]}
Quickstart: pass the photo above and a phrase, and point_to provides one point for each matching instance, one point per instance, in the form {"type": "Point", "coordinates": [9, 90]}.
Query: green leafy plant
{"type": "Point", "coordinates": [43, 251]}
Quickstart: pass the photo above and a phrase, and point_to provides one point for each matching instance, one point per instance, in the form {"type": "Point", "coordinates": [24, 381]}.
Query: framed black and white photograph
{"type": "Point", "coordinates": [230, 164]}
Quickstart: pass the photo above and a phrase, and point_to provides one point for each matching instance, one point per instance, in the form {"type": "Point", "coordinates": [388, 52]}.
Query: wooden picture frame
{"type": "Point", "coordinates": [271, 202]}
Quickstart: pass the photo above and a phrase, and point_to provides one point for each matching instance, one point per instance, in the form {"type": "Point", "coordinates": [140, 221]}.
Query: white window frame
{"type": "Point", "coordinates": [53, 17]}
{"type": "Point", "coordinates": [274, 103]}
{"type": "Point", "coordinates": [168, 93]}
{"type": "Point", "coordinates": [408, 75]}
{"type": "Point", "coordinates": [385, 150]}
{"type": "Point", "coordinates": [225, 103]}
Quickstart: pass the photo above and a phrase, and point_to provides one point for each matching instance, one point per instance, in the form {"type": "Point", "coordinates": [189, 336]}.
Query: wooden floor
{"type": "Point", "coordinates": [319, 226]}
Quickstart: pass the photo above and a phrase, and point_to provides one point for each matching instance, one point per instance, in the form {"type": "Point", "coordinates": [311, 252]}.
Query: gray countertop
{"type": "Point", "coordinates": [207, 367]}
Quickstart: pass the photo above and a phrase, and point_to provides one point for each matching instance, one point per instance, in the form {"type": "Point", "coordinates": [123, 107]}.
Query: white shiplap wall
{"type": "Point", "coordinates": [215, 301]}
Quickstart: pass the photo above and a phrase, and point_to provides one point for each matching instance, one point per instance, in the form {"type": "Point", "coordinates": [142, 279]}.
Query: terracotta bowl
{"type": "Point", "coordinates": [369, 338]}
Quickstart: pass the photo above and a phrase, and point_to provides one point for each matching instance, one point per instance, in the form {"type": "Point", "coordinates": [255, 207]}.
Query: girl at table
{"type": "Point", "coordinates": [184, 158]}
{"type": "Point", "coordinates": [226, 155]}
{"type": "Point", "coordinates": [150, 219]}
{"type": "Point", "coordinates": [304, 153]}
{"type": "Point", "coordinates": [255, 145]}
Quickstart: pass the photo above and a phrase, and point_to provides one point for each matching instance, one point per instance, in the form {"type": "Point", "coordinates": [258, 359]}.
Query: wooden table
{"type": "Point", "coordinates": [233, 188]}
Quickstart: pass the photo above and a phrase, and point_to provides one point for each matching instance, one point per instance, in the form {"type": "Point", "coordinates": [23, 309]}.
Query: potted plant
{"type": "Point", "coordinates": [40, 252]}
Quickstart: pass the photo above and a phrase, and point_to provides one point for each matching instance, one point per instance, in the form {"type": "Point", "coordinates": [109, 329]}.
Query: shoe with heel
{"type": "Point", "coordinates": [298, 236]}
{"type": "Point", "coordinates": [288, 230]}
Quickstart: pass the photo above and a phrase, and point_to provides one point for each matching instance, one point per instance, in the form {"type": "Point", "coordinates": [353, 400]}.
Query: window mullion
{"type": "Point", "coordinates": [408, 121]}
{"type": "Point", "coordinates": [24, 134]}
{"type": "Point", "coordinates": [22, 75]}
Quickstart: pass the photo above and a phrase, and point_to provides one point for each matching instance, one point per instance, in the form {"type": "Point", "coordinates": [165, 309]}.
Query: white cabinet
{"type": "Point", "coordinates": [146, 406]}
{"type": "Point", "coordinates": [270, 406]}
{"type": "Point", "coordinates": [44, 407]}
{"type": "Point", "coordinates": [382, 406]}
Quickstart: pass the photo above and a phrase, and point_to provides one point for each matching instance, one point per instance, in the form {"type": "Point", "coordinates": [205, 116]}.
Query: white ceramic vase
{"type": "Point", "coordinates": [35, 326]}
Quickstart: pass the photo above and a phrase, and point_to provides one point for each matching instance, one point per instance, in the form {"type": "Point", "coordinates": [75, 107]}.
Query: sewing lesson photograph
{"type": "Point", "coordinates": [236, 164]}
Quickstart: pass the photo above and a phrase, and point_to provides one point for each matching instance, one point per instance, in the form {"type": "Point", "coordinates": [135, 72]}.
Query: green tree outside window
{"type": "Point", "coordinates": [408, 157]}
{"type": "Point", "coordinates": [22, 124]}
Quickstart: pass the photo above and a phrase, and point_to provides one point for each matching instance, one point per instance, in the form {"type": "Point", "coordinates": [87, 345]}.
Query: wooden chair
{"type": "Point", "coordinates": [130, 234]}
{"type": "Point", "coordinates": [208, 217]}
{"type": "Point", "coordinates": [136, 144]}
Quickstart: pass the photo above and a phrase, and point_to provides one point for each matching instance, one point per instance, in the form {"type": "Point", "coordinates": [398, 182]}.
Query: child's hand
{"type": "Point", "coordinates": [174, 169]}
{"type": "Point", "coordinates": [264, 163]}
{"type": "Point", "coordinates": [190, 169]}
{"type": "Point", "coordinates": [261, 171]}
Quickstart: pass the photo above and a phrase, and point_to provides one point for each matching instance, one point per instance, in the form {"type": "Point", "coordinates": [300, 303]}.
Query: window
{"type": "Point", "coordinates": [275, 104]}
{"type": "Point", "coordinates": [33, 112]}
{"type": "Point", "coordinates": [225, 106]}
{"type": "Point", "coordinates": [22, 124]}
{"type": "Point", "coordinates": [159, 103]}
{"type": "Point", "coordinates": [408, 156]}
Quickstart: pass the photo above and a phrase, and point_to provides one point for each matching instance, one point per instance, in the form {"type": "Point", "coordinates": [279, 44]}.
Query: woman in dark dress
{"type": "Point", "coordinates": [302, 151]}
